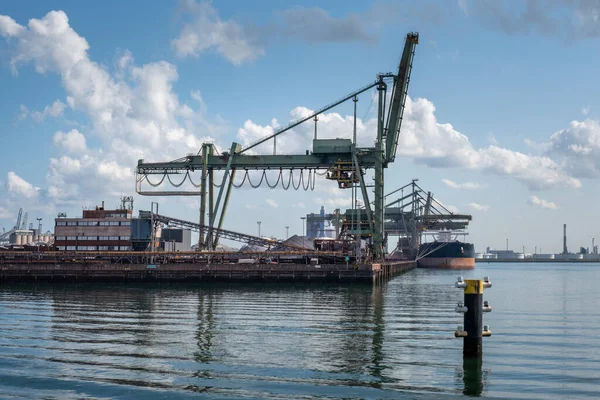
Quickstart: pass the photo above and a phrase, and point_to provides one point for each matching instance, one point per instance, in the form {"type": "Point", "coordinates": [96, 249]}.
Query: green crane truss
{"type": "Point", "coordinates": [341, 158]}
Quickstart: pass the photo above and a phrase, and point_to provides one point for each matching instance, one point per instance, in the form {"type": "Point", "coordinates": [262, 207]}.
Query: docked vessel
{"type": "Point", "coordinates": [446, 252]}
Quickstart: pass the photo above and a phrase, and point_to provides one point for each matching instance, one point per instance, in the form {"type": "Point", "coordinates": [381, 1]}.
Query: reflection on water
{"type": "Point", "coordinates": [472, 376]}
{"type": "Point", "coordinates": [291, 340]}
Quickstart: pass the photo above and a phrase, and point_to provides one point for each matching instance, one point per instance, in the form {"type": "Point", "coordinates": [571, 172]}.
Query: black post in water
{"type": "Point", "coordinates": [473, 321]}
{"type": "Point", "coordinates": [473, 309]}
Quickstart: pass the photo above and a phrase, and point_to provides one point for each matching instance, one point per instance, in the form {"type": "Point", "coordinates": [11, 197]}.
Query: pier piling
{"type": "Point", "coordinates": [473, 309]}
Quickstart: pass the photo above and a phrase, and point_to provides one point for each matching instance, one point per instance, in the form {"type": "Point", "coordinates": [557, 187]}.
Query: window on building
{"type": "Point", "coordinates": [114, 223]}
{"type": "Point", "coordinates": [125, 223]}
{"type": "Point", "coordinates": [102, 248]}
{"type": "Point", "coordinates": [124, 248]}
{"type": "Point", "coordinates": [71, 237]}
{"type": "Point", "coordinates": [61, 223]}
{"type": "Point", "coordinates": [88, 237]}
{"type": "Point", "coordinates": [61, 248]}
{"type": "Point", "coordinates": [103, 237]}
{"type": "Point", "coordinates": [70, 247]}
{"type": "Point", "coordinates": [71, 223]}
{"type": "Point", "coordinates": [60, 238]}
{"type": "Point", "coordinates": [113, 238]}
{"type": "Point", "coordinates": [124, 237]}
{"type": "Point", "coordinates": [104, 223]}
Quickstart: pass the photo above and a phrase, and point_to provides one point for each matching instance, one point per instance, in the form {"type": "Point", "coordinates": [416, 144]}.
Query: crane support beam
{"type": "Point", "coordinates": [453, 217]}
{"type": "Point", "coordinates": [211, 192]}
{"type": "Point", "coordinates": [363, 188]}
{"type": "Point", "coordinates": [399, 96]}
{"type": "Point", "coordinates": [234, 147]}
{"type": "Point", "coordinates": [401, 199]}
{"type": "Point", "coordinates": [225, 203]}
{"type": "Point", "coordinates": [203, 190]}
{"type": "Point", "coordinates": [378, 231]}
{"type": "Point", "coordinates": [366, 157]}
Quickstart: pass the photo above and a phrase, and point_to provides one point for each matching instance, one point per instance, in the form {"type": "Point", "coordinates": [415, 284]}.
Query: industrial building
{"type": "Point", "coordinates": [176, 239]}
{"type": "Point", "coordinates": [21, 235]}
{"type": "Point", "coordinates": [166, 239]}
{"type": "Point", "coordinates": [96, 230]}
{"type": "Point", "coordinates": [584, 253]}
{"type": "Point", "coordinates": [323, 225]}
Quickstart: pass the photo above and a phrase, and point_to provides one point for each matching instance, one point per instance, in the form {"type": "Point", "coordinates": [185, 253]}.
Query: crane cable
{"type": "Point", "coordinates": [304, 181]}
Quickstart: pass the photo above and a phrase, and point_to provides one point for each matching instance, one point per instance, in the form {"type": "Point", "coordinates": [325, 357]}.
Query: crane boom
{"type": "Point", "coordinates": [400, 93]}
{"type": "Point", "coordinates": [24, 223]}
{"type": "Point", "coordinates": [311, 116]}
{"type": "Point", "coordinates": [18, 224]}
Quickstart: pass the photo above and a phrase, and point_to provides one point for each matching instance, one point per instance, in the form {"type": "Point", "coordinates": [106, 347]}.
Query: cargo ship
{"type": "Point", "coordinates": [446, 252]}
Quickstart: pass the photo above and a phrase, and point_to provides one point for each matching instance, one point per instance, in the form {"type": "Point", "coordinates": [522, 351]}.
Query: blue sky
{"type": "Point", "coordinates": [502, 121]}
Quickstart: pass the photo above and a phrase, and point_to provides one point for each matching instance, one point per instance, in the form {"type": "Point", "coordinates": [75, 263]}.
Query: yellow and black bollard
{"type": "Point", "coordinates": [473, 309]}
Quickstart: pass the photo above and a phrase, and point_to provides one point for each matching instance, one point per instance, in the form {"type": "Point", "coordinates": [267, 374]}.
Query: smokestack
{"type": "Point", "coordinates": [565, 239]}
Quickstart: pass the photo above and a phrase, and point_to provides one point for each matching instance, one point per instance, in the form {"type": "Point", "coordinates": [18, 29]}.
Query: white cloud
{"type": "Point", "coordinates": [5, 214]}
{"type": "Point", "coordinates": [479, 207]}
{"type": "Point", "coordinates": [462, 4]}
{"type": "Point", "coordinates": [72, 141]}
{"type": "Point", "coordinates": [492, 139]}
{"type": "Point", "coordinates": [422, 138]}
{"type": "Point", "coordinates": [9, 27]}
{"type": "Point", "coordinates": [334, 202]}
{"type": "Point", "coordinates": [465, 185]}
{"type": "Point", "coordinates": [440, 145]}
{"type": "Point", "coordinates": [244, 42]}
{"type": "Point", "coordinates": [55, 110]}
{"type": "Point", "coordinates": [578, 147]}
{"type": "Point", "coordinates": [20, 187]}
{"type": "Point", "coordinates": [272, 203]}
{"type": "Point", "coordinates": [566, 19]}
{"type": "Point", "coordinates": [134, 112]}
{"type": "Point", "coordinates": [541, 203]}
{"type": "Point", "coordinates": [315, 25]}
{"type": "Point", "coordinates": [195, 94]}
{"type": "Point", "coordinates": [208, 31]}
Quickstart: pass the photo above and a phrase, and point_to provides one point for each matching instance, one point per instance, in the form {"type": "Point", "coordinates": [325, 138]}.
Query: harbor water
{"type": "Point", "coordinates": [300, 340]}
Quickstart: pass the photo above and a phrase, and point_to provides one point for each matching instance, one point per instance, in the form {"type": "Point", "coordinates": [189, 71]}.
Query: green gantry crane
{"type": "Point", "coordinates": [341, 158]}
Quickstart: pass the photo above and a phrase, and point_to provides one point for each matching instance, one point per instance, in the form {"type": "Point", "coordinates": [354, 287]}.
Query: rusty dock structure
{"type": "Point", "coordinates": [56, 266]}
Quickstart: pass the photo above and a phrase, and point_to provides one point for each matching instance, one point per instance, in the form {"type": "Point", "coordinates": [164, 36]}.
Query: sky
{"type": "Point", "coordinates": [502, 120]}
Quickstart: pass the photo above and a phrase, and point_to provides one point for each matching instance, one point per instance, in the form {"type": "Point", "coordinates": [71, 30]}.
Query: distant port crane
{"type": "Point", "coordinates": [341, 159]}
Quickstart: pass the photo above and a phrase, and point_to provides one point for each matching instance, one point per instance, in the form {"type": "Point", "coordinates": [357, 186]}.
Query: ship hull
{"type": "Point", "coordinates": [446, 263]}
{"type": "Point", "coordinates": [452, 255]}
